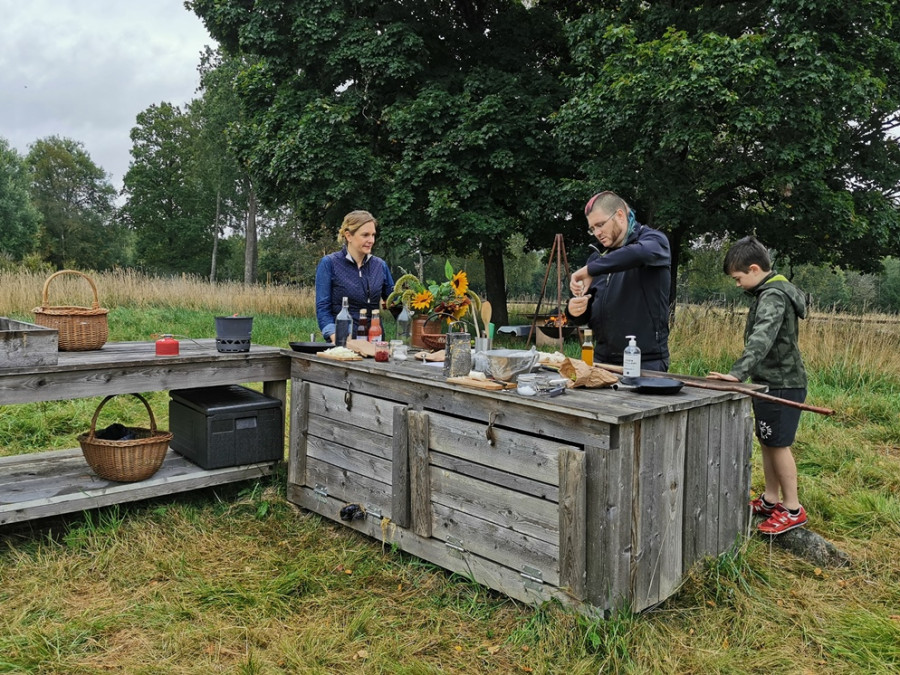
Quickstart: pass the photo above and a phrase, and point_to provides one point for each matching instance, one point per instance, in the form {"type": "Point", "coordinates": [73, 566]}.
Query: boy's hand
{"type": "Point", "coordinates": [713, 375]}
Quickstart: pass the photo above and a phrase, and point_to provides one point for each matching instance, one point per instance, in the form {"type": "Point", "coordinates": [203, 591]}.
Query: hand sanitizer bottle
{"type": "Point", "coordinates": [631, 363]}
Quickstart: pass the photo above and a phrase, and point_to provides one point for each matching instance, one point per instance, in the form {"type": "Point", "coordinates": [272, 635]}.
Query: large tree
{"type": "Point", "coordinates": [77, 205]}
{"type": "Point", "coordinates": [776, 118]}
{"type": "Point", "coordinates": [169, 207]}
{"type": "Point", "coordinates": [433, 114]}
{"type": "Point", "coordinates": [18, 216]}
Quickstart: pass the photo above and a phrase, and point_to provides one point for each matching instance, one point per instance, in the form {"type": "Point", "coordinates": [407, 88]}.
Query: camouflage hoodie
{"type": "Point", "coordinates": [771, 354]}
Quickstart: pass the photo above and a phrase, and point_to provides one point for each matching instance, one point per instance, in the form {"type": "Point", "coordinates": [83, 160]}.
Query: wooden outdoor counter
{"type": "Point", "coordinates": [37, 485]}
{"type": "Point", "coordinates": [599, 498]}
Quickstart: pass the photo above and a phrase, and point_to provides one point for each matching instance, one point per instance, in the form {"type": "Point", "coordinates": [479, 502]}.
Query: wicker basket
{"type": "Point", "coordinates": [126, 461]}
{"type": "Point", "coordinates": [434, 341]}
{"type": "Point", "coordinates": [80, 328]}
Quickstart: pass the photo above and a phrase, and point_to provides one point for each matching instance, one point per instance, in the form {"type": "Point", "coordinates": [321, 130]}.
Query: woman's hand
{"type": "Point", "coordinates": [579, 305]}
{"type": "Point", "coordinates": [713, 375]}
{"type": "Point", "coordinates": [331, 338]}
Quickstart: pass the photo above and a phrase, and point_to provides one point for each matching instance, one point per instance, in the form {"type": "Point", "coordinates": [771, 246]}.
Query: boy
{"type": "Point", "coordinates": [771, 357]}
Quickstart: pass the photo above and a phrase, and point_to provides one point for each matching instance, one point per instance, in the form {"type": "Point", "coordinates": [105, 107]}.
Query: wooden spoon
{"type": "Point", "coordinates": [486, 315]}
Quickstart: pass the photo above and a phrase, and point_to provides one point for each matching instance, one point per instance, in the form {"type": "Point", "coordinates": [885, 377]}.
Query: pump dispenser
{"type": "Point", "coordinates": [631, 363]}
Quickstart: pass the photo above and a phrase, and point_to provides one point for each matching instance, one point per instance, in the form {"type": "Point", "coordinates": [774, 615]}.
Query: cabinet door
{"type": "Point", "coordinates": [498, 497]}
{"type": "Point", "coordinates": [346, 445]}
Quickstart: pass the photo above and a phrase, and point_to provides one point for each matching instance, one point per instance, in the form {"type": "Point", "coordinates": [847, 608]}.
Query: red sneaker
{"type": "Point", "coordinates": [760, 508]}
{"type": "Point", "coordinates": [781, 521]}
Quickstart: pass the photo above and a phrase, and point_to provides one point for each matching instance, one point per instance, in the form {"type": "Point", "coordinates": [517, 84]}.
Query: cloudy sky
{"type": "Point", "coordinates": [84, 69]}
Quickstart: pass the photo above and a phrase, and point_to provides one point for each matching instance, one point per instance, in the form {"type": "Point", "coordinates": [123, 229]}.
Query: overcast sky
{"type": "Point", "coordinates": [84, 69]}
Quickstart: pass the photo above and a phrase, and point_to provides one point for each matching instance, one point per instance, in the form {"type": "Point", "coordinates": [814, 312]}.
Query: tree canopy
{"type": "Point", "coordinates": [775, 118]}
{"type": "Point", "coordinates": [77, 206]}
{"type": "Point", "coordinates": [169, 208]}
{"type": "Point", "coordinates": [435, 115]}
{"type": "Point", "coordinates": [17, 214]}
{"type": "Point", "coordinates": [462, 122]}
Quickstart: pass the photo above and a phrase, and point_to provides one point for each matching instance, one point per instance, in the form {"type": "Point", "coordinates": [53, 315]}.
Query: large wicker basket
{"type": "Point", "coordinates": [80, 328]}
{"type": "Point", "coordinates": [126, 461]}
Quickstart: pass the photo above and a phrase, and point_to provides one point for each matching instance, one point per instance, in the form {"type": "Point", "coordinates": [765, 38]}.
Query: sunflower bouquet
{"type": "Point", "coordinates": [451, 299]}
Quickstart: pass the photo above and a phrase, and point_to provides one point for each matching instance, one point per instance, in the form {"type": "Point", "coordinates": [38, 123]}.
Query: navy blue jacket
{"type": "Point", "coordinates": [630, 296]}
{"type": "Point", "coordinates": [338, 276]}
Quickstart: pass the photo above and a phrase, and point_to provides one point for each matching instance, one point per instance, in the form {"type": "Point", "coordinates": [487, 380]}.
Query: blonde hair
{"type": "Point", "coordinates": [352, 222]}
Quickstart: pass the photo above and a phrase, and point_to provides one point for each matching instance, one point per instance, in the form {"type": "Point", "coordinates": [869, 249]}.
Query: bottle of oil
{"type": "Point", "coordinates": [587, 347]}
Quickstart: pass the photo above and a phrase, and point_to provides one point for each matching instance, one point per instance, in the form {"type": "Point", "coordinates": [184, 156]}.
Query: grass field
{"type": "Point", "coordinates": [237, 580]}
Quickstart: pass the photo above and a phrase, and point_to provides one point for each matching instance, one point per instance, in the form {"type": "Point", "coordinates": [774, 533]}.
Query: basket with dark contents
{"type": "Point", "coordinates": [125, 454]}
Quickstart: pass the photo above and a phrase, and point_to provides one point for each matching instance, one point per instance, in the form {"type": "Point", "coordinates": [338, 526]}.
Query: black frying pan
{"type": "Point", "coordinates": [655, 385]}
{"type": "Point", "coordinates": [310, 347]}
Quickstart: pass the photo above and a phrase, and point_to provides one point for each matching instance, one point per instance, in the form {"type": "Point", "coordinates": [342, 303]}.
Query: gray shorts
{"type": "Point", "coordinates": [776, 424]}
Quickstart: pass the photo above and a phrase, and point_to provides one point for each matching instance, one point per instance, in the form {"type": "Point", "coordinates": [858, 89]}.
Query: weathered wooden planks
{"type": "Point", "coordinates": [123, 368]}
{"type": "Point", "coordinates": [49, 484]}
{"type": "Point", "coordinates": [27, 344]}
{"type": "Point", "coordinates": [60, 481]}
{"type": "Point", "coordinates": [603, 498]}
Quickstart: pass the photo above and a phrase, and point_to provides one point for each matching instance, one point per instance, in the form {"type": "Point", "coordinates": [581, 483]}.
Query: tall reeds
{"type": "Point", "coordinates": [20, 292]}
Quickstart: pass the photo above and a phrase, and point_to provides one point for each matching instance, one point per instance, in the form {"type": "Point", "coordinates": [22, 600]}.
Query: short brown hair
{"type": "Point", "coordinates": [608, 201]}
{"type": "Point", "coordinates": [745, 252]}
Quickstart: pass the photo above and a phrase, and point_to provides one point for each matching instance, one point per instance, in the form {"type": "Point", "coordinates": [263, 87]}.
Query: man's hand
{"type": "Point", "coordinates": [331, 338]}
{"type": "Point", "coordinates": [713, 375]}
{"type": "Point", "coordinates": [580, 282]}
{"type": "Point", "coordinates": [579, 305]}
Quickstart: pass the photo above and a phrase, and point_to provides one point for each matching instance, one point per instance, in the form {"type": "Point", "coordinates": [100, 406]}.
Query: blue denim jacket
{"type": "Point", "coordinates": [338, 276]}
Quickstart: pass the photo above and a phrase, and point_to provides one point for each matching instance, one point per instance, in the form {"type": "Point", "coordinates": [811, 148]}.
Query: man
{"type": "Point", "coordinates": [624, 290]}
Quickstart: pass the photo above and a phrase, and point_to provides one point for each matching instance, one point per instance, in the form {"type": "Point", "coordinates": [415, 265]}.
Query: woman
{"type": "Point", "coordinates": [353, 272]}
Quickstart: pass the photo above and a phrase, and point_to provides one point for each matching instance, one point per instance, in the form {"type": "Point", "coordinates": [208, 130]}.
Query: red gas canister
{"type": "Point", "coordinates": [167, 346]}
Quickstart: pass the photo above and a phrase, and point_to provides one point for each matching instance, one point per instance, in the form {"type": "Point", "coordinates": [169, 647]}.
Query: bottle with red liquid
{"type": "Point", "coordinates": [375, 334]}
{"type": "Point", "coordinates": [362, 328]}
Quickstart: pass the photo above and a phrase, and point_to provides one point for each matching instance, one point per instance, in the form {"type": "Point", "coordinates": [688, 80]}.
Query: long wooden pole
{"type": "Point", "coordinates": [721, 385]}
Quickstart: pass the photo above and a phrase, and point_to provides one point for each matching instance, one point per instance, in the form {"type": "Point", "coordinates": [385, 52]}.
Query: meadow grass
{"type": "Point", "coordinates": [238, 580]}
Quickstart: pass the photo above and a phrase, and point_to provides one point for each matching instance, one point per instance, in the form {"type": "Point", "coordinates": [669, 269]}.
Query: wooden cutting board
{"type": "Point", "coordinates": [332, 357]}
{"type": "Point", "coordinates": [480, 384]}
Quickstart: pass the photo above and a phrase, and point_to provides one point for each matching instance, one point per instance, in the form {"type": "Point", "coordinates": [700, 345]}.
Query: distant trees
{"type": "Point", "coordinates": [76, 203]}
{"type": "Point", "coordinates": [18, 217]}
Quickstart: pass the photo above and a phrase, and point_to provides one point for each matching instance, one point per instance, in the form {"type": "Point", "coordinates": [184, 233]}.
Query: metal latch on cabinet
{"type": "Point", "coordinates": [321, 492]}
{"type": "Point", "coordinates": [373, 511]}
{"type": "Point", "coordinates": [457, 550]}
{"type": "Point", "coordinates": [532, 577]}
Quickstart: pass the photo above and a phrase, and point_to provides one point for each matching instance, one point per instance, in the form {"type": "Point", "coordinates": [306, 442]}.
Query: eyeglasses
{"type": "Point", "coordinates": [593, 229]}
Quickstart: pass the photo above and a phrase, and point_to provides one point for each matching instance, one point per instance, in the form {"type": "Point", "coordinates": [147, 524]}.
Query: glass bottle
{"type": "Point", "coordinates": [362, 328]}
{"type": "Point", "coordinates": [631, 361]}
{"type": "Point", "coordinates": [587, 347]}
{"type": "Point", "coordinates": [375, 327]}
{"type": "Point", "coordinates": [404, 325]}
{"type": "Point", "coordinates": [343, 324]}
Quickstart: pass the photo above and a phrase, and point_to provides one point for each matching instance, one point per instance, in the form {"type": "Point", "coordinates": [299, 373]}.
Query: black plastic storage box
{"type": "Point", "coordinates": [226, 426]}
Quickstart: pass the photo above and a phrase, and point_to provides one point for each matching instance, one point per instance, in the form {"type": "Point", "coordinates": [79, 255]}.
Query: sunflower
{"type": "Point", "coordinates": [422, 300]}
{"type": "Point", "coordinates": [460, 283]}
